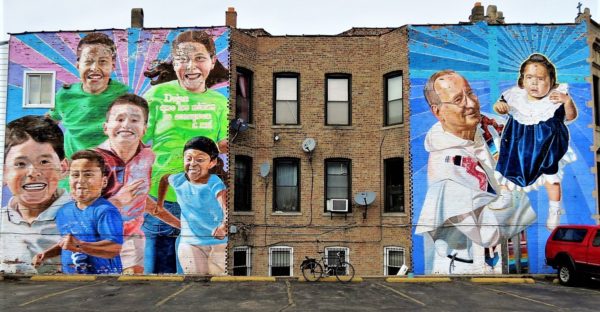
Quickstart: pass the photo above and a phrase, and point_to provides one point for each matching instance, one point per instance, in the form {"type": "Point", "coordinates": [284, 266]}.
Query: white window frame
{"type": "Point", "coordinates": [389, 100]}
{"type": "Point", "coordinates": [337, 248]}
{"type": "Point", "coordinates": [290, 249]}
{"type": "Point", "coordinates": [248, 251]}
{"type": "Point", "coordinates": [386, 254]}
{"type": "Point", "coordinates": [26, 75]}
{"type": "Point", "coordinates": [284, 103]}
{"type": "Point", "coordinates": [332, 99]}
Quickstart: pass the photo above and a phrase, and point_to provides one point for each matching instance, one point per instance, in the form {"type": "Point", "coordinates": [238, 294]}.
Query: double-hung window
{"type": "Point", "coordinates": [337, 181]}
{"type": "Point", "coordinates": [394, 184]}
{"type": "Point", "coordinates": [243, 95]}
{"type": "Point", "coordinates": [243, 183]}
{"type": "Point", "coordinates": [338, 99]}
{"type": "Point", "coordinates": [286, 93]}
{"type": "Point", "coordinates": [394, 108]}
{"type": "Point", "coordinates": [286, 188]}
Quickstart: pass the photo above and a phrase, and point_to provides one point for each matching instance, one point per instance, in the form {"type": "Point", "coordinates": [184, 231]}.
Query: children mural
{"type": "Point", "coordinates": [497, 112]}
{"type": "Point", "coordinates": [83, 191]}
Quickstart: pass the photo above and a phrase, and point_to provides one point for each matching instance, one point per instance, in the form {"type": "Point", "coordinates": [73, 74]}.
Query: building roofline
{"type": "Point", "coordinates": [494, 25]}
{"type": "Point", "coordinates": [248, 31]}
{"type": "Point", "coordinates": [105, 29]}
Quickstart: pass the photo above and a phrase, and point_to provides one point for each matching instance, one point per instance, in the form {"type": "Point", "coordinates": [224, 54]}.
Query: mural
{"type": "Point", "coordinates": [500, 144]}
{"type": "Point", "coordinates": [125, 172]}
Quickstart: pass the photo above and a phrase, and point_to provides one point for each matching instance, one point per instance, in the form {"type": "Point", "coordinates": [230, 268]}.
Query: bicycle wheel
{"type": "Point", "coordinates": [312, 271]}
{"type": "Point", "coordinates": [344, 272]}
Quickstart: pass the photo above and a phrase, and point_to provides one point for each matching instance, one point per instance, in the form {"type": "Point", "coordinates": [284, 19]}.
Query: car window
{"type": "Point", "coordinates": [570, 235]}
{"type": "Point", "coordinates": [596, 241]}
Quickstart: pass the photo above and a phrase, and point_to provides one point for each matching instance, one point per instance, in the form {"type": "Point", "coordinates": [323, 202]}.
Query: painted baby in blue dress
{"type": "Point", "coordinates": [535, 141]}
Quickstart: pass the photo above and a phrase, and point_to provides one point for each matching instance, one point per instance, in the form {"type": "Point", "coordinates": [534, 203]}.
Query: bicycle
{"type": "Point", "coordinates": [312, 270]}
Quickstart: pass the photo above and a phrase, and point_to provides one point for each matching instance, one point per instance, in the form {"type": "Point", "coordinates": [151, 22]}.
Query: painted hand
{"type": "Point", "coordinates": [128, 193]}
{"type": "Point", "coordinates": [220, 232]}
{"type": "Point", "coordinates": [38, 259]}
{"type": "Point", "coordinates": [501, 108]}
{"type": "Point", "coordinates": [71, 243]}
{"type": "Point", "coordinates": [558, 97]}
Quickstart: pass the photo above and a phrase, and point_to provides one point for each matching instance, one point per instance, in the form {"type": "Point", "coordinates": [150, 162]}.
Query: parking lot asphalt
{"type": "Point", "coordinates": [110, 294]}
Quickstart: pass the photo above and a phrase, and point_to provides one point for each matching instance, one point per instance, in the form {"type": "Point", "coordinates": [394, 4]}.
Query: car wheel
{"type": "Point", "coordinates": [566, 274]}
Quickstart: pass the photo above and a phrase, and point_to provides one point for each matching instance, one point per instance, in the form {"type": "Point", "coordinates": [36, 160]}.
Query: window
{"type": "Point", "coordinates": [338, 99]}
{"type": "Point", "coordinates": [596, 86]}
{"type": "Point", "coordinates": [243, 95]}
{"type": "Point", "coordinates": [331, 254]}
{"type": "Point", "coordinates": [242, 261]}
{"type": "Point", "coordinates": [38, 89]}
{"type": "Point", "coordinates": [287, 107]}
{"type": "Point", "coordinates": [286, 190]}
{"type": "Point", "coordinates": [243, 184]}
{"type": "Point", "coordinates": [281, 261]}
{"type": "Point", "coordinates": [393, 260]}
{"type": "Point", "coordinates": [394, 184]}
{"type": "Point", "coordinates": [570, 235]}
{"type": "Point", "coordinates": [337, 180]}
{"type": "Point", "coordinates": [393, 99]}
{"type": "Point", "coordinates": [596, 241]}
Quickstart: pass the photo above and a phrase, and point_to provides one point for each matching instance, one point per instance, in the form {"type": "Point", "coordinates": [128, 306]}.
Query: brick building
{"type": "Point", "coordinates": [347, 93]}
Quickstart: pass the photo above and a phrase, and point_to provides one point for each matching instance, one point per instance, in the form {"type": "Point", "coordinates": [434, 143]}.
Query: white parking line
{"type": "Point", "coordinates": [173, 295]}
{"type": "Point", "coordinates": [58, 293]}
{"type": "Point", "coordinates": [402, 294]}
{"type": "Point", "coordinates": [521, 297]}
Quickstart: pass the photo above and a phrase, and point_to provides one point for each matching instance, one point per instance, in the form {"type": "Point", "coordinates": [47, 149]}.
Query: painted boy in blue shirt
{"type": "Point", "coordinates": [91, 227]}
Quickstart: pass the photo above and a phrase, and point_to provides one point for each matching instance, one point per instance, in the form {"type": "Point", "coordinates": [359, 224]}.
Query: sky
{"type": "Point", "coordinates": [279, 17]}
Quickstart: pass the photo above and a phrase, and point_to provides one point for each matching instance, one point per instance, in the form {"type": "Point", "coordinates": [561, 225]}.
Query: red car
{"type": "Point", "coordinates": [575, 251]}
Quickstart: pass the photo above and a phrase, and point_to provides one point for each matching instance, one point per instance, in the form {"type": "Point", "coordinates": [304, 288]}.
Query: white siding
{"type": "Point", "coordinates": [3, 93]}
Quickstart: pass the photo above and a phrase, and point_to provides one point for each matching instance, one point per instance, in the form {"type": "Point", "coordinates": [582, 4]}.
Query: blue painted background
{"type": "Point", "coordinates": [489, 57]}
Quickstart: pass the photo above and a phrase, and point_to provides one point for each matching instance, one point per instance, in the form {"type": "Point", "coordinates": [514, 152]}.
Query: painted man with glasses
{"type": "Point", "coordinates": [465, 216]}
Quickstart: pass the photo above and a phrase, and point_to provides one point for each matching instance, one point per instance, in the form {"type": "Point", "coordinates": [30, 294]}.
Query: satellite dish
{"type": "Point", "coordinates": [364, 198]}
{"type": "Point", "coordinates": [237, 125]}
{"type": "Point", "coordinates": [309, 145]}
{"type": "Point", "coordinates": [265, 168]}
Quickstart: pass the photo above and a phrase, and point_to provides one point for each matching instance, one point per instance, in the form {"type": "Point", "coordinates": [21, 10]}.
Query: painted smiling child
{"type": "Point", "coordinates": [180, 110]}
{"type": "Point", "coordinates": [34, 163]}
{"type": "Point", "coordinates": [130, 163]}
{"type": "Point", "coordinates": [202, 197]}
{"type": "Point", "coordinates": [80, 107]}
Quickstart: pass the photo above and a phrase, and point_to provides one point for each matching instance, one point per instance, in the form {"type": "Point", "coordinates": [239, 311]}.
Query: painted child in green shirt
{"type": "Point", "coordinates": [81, 107]}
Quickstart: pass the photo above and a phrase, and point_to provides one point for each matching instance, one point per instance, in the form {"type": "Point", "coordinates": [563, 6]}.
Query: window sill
{"type": "Point", "coordinates": [286, 127]}
{"type": "Point", "coordinates": [242, 213]}
{"type": "Point", "coordinates": [283, 213]}
{"type": "Point", "coordinates": [331, 127]}
{"type": "Point", "coordinates": [338, 214]}
{"type": "Point", "coordinates": [393, 126]}
{"type": "Point", "coordinates": [395, 214]}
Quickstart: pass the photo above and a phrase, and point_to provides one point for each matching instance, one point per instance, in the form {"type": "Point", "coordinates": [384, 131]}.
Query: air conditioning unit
{"type": "Point", "coordinates": [337, 205]}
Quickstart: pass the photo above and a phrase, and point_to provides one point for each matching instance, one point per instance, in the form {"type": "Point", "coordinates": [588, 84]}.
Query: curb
{"type": "Point", "coordinates": [418, 280]}
{"type": "Point", "coordinates": [150, 278]}
{"type": "Point", "coordinates": [242, 279]}
{"type": "Point", "coordinates": [508, 280]}
{"type": "Point", "coordinates": [63, 278]}
{"type": "Point", "coordinates": [330, 279]}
